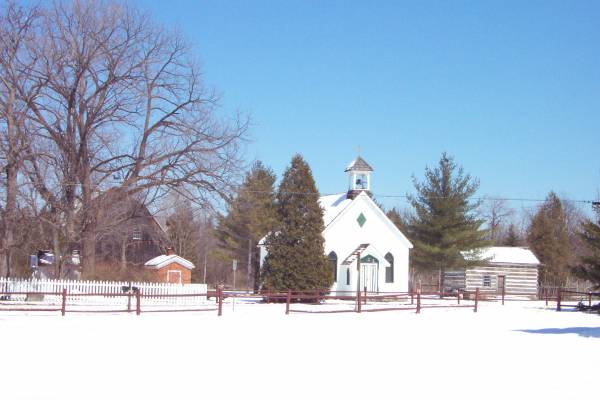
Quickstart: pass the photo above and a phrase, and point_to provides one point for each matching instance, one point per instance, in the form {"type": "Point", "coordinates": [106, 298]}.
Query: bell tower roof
{"type": "Point", "coordinates": [358, 164]}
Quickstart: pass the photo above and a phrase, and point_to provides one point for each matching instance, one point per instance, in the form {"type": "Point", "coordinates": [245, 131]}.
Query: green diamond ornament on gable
{"type": "Point", "coordinates": [361, 220]}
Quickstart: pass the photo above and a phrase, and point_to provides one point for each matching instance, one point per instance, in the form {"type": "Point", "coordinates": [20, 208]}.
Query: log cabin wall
{"type": "Point", "coordinates": [522, 279]}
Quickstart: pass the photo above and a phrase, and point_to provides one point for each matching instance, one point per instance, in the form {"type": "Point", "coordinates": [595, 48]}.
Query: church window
{"type": "Point", "coordinates": [389, 271]}
{"type": "Point", "coordinates": [333, 264]}
{"type": "Point", "coordinates": [137, 233]}
{"type": "Point", "coordinates": [361, 220]}
{"type": "Point", "coordinates": [347, 276]}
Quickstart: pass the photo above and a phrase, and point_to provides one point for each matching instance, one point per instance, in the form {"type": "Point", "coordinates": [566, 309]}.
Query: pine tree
{"type": "Point", "coordinates": [512, 238]}
{"type": "Point", "coordinates": [444, 223]}
{"type": "Point", "coordinates": [250, 216]}
{"type": "Point", "coordinates": [549, 240]}
{"type": "Point", "coordinates": [398, 219]}
{"type": "Point", "coordinates": [590, 262]}
{"type": "Point", "coordinates": [296, 258]}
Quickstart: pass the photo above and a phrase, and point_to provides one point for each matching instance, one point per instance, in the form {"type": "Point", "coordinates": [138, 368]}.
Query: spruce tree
{"type": "Point", "coordinates": [250, 216]}
{"type": "Point", "coordinates": [444, 223]}
{"type": "Point", "coordinates": [549, 239]}
{"type": "Point", "coordinates": [512, 238]}
{"type": "Point", "coordinates": [590, 262]}
{"type": "Point", "coordinates": [296, 258]}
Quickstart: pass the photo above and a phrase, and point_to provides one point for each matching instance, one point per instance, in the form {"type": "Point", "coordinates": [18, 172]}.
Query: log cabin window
{"type": "Point", "coordinates": [487, 281]}
{"type": "Point", "coordinates": [137, 233]}
{"type": "Point", "coordinates": [347, 276]}
{"type": "Point", "coordinates": [333, 264]}
{"type": "Point", "coordinates": [389, 271]}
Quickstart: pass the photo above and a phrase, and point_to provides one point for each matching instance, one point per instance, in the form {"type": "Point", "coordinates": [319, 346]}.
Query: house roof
{"type": "Point", "coordinates": [358, 164]}
{"type": "Point", "coordinates": [507, 255]}
{"type": "Point", "coordinates": [164, 260]}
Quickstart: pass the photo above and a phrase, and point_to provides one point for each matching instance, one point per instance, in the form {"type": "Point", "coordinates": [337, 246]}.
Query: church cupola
{"type": "Point", "coordinates": [359, 174]}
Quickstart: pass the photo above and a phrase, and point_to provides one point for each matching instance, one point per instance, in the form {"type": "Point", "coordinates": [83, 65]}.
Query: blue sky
{"type": "Point", "coordinates": [510, 89]}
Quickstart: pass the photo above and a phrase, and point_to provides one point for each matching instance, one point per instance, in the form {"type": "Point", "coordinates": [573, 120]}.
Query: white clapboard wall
{"type": "Point", "coordinates": [153, 293]}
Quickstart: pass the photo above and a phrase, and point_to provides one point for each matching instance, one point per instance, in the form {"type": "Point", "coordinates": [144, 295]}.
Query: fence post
{"type": "Point", "coordinates": [412, 296]}
{"type": "Point", "coordinates": [476, 299]}
{"type": "Point", "coordinates": [220, 300]}
{"type": "Point", "coordinates": [589, 299]}
{"type": "Point", "coordinates": [458, 296]}
{"type": "Point", "coordinates": [503, 293]}
{"type": "Point", "coordinates": [558, 299]}
{"type": "Point", "coordinates": [365, 300]}
{"type": "Point", "coordinates": [138, 305]}
{"type": "Point", "coordinates": [358, 300]}
{"type": "Point", "coordinates": [287, 301]}
{"type": "Point", "coordinates": [63, 308]}
{"type": "Point", "coordinates": [418, 301]}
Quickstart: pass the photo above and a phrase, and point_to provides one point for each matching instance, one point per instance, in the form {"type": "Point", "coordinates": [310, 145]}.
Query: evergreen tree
{"type": "Point", "coordinates": [512, 238]}
{"type": "Point", "coordinates": [444, 223]}
{"type": "Point", "coordinates": [250, 216]}
{"type": "Point", "coordinates": [590, 262]}
{"type": "Point", "coordinates": [296, 258]}
{"type": "Point", "coordinates": [398, 219]}
{"type": "Point", "coordinates": [549, 240]}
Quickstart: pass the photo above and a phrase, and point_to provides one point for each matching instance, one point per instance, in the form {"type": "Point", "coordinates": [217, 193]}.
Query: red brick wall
{"type": "Point", "coordinates": [162, 274]}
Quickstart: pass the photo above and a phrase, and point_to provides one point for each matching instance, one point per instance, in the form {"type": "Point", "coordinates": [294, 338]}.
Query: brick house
{"type": "Point", "coordinates": [170, 268]}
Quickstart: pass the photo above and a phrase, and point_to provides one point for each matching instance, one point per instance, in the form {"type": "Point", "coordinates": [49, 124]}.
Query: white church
{"type": "Point", "coordinates": [354, 223]}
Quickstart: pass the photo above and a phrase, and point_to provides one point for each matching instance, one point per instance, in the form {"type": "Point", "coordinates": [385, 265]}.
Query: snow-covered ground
{"type": "Point", "coordinates": [521, 350]}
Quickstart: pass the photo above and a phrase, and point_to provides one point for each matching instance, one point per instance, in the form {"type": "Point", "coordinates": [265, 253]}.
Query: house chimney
{"type": "Point", "coordinates": [170, 251]}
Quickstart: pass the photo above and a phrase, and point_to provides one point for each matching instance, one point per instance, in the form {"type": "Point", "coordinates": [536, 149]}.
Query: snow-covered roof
{"type": "Point", "coordinates": [164, 260]}
{"type": "Point", "coordinates": [358, 164]}
{"type": "Point", "coordinates": [507, 255]}
{"type": "Point", "coordinates": [332, 205]}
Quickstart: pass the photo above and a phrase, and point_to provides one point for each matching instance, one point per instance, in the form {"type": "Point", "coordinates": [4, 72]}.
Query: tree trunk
{"type": "Point", "coordinates": [124, 254]}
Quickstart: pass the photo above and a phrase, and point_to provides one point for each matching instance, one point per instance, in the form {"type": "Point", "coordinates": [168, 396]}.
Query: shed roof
{"type": "Point", "coordinates": [508, 255]}
{"type": "Point", "coordinates": [164, 260]}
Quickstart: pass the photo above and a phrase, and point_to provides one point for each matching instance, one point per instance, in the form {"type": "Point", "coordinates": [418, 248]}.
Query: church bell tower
{"type": "Point", "coordinates": [359, 175]}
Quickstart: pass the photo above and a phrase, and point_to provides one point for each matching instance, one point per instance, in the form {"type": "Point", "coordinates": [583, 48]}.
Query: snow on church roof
{"type": "Point", "coordinates": [332, 205]}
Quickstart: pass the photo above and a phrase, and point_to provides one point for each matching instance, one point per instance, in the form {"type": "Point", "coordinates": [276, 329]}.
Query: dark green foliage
{"type": "Point", "coordinates": [548, 238]}
{"type": "Point", "coordinates": [398, 220]}
{"type": "Point", "coordinates": [250, 216]}
{"type": "Point", "coordinates": [512, 237]}
{"type": "Point", "coordinates": [444, 223]}
{"type": "Point", "coordinates": [590, 262]}
{"type": "Point", "coordinates": [296, 258]}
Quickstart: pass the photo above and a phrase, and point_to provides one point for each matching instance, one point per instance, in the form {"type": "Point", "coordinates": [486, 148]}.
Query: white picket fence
{"type": "Point", "coordinates": [153, 293]}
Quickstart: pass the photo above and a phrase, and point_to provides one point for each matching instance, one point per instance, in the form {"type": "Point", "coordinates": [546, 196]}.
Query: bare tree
{"type": "Point", "coordinates": [119, 108]}
{"type": "Point", "coordinates": [16, 29]}
{"type": "Point", "coordinates": [496, 212]}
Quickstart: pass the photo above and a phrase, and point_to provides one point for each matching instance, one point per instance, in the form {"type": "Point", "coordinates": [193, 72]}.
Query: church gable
{"type": "Point", "coordinates": [364, 218]}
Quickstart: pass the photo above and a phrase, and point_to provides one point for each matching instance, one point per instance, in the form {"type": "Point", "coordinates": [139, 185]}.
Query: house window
{"type": "Point", "coordinates": [333, 264]}
{"type": "Point", "coordinates": [347, 276]}
{"type": "Point", "coordinates": [487, 281]}
{"type": "Point", "coordinates": [137, 233]}
{"type": "Point", "coordinates": [389, 271]}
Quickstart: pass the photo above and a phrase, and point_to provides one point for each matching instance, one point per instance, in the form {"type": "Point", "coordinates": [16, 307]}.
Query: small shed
{"type": "Point", "coordinates": [171, 268]}
{"type": "Point", "coordinates": [513, 268]}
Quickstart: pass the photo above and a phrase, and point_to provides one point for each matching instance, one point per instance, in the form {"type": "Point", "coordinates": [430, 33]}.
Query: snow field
{"type": "Point", "coordinates": [516, 351]}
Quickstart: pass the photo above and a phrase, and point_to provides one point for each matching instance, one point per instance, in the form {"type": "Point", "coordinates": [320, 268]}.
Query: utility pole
{"type": "Point", "coordinates": [249, 267]}
{"type": "Point", "coordinates": [205, 256]}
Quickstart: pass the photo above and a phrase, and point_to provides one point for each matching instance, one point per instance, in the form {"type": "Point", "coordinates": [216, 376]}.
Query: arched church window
{"type": "Point", "coordinates": [333, 259]}
{"type": "Point", "coordinates": [389, 271]}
